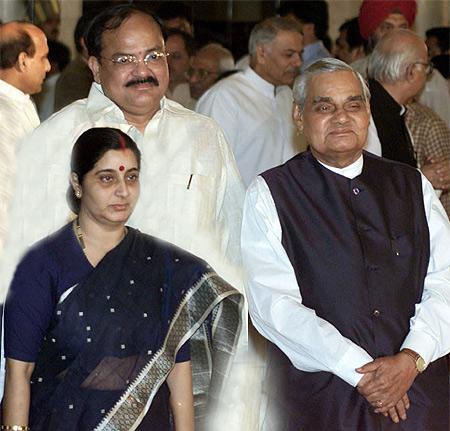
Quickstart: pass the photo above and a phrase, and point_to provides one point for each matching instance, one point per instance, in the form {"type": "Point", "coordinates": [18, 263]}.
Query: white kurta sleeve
{"type": "Point", "coordinates": [430, 326]}
{"type": "Point", "coordinates": [230, 203]}
{"type": "Point", "coordinates": [274, 300]}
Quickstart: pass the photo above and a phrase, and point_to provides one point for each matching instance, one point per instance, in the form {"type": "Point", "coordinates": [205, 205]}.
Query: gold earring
{"type": "Point", "coordinates": [78, 193]}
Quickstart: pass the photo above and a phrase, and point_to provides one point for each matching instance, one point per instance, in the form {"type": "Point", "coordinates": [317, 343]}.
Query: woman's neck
{"type": "Point", "coordinates": [98, 239]}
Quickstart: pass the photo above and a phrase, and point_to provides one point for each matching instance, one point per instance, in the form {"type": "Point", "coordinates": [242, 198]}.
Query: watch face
{"type": "Point", "coordinates": [421, 365]}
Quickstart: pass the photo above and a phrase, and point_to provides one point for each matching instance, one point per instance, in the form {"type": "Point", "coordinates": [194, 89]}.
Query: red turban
{"type": "Point", "coordinates": [374, 12]}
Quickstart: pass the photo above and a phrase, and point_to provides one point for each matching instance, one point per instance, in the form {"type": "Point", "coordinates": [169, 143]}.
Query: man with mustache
{"type": "Point", "coordinates": [348, 263]}
{"type": "Point", "coordinates": [254, 106]}
{"type": "Point", "coordinates": [191, 195]}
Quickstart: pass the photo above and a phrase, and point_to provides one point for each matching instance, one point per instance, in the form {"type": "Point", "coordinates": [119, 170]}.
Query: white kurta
{"type": "Point", "coordinates": [18, 117]}
{"type": "Point", "coordinates": [275, 302]}
{"type": "Point", "coordinates": [191, 192]}
{"type": "Point", "coordinates": [257, 120]}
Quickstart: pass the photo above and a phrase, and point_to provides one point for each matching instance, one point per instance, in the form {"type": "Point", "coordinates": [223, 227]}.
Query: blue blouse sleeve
{"type": "Point", "coordinates": [184, 354]}
{"type": "Point", "coordinates": [29, 306]}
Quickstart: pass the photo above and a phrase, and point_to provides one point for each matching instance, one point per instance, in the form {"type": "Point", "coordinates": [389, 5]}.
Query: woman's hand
{"type": "Point", "coordinates": [181, 397]}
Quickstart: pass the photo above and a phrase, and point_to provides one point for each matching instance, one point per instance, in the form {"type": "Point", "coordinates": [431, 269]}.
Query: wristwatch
{"type": "Point", "coordinates": [418, 360]}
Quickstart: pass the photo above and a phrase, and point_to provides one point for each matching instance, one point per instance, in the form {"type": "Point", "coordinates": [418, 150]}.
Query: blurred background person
{"type": "Point", "coordinates": [176, 15]}
{"type": "Point", "coordinates": [437, 40]}
{"type": "Point", "coordinates": [207, 66]}
{"type": "Point", "coordinates": [254, 107]}
{"type": "Point", "coordinates": [378, 17]}
{"type": "Point", "coordinates": [59, 58]}
{"type": "Point", "coordinates": [180, 47]}
{"type": "Point", "coordinates": [313, 16]}
{"type": "Point", "coordinates": [76, 79]}
{"type": "Point", "coordinates": [398, 68]}
{"type": "Point", "coordinates": [349, 44]}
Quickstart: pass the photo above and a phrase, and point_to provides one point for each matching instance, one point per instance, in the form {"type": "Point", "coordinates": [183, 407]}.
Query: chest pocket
{"type": "Point", "coordinates": [193, 198]}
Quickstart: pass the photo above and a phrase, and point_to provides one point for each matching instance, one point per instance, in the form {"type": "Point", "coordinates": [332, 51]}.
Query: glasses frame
{"type": "Point", "coordinates": [133, 61]}
{"type": "Point", "coordinates": [429, 67]}
{"type": "Point", "coordinates": [202, 74]}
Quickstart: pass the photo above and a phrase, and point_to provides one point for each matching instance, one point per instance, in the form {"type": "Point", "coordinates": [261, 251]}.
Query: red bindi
{"type": "Point", "coordinates": [121, 168]}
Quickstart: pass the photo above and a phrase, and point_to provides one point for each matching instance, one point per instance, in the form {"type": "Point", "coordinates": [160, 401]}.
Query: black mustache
{"type": "Point", "coordinates": [147, 79]}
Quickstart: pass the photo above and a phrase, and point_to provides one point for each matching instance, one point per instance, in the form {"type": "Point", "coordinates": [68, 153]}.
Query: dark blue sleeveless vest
{"type": "Point", "coordinates": [360, 251]}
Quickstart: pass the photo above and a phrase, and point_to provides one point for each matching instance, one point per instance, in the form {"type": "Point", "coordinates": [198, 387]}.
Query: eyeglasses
{"type": "Point", "coordinates": [130, 61]}
{"type": "Point", "coordinates": [428, 66]}
{"type": "Point", "coordinates": [201, 73]}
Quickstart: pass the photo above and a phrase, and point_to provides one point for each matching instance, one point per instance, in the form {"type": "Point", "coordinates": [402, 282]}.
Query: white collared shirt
{"type": "Point", "coordinates": [257, 120]}
{"type": "Point", "coordinates": [191, 192]}
{"type": "Point", "coordinates": [275, 302]}
{"type": "Point", "coordinates": [312, 52]}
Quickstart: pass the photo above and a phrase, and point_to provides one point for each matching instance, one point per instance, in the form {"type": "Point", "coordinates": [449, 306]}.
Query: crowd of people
{"type": "Point", "coordinates": [154, 192]}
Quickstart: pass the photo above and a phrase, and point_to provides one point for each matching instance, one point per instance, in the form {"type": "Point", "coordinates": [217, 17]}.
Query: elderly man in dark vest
{"type": "Point", "coordinates": [348, 259]}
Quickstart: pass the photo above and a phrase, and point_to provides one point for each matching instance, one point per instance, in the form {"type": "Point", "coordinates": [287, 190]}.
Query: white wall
{"type": "Point", "coordinates": [11, 10]}
{"type": "Point", "coordinates": [71, 10]}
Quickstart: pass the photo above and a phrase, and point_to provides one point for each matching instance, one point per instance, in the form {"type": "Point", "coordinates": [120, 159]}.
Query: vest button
{"type": "Point", "coordinates": [376, 313]}
{"type": "Point", "coordinates": [356, 191]}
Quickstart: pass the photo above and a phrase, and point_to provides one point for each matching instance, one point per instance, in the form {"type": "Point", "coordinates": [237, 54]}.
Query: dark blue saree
{"type": "Point", "coordinates": [114, 338]}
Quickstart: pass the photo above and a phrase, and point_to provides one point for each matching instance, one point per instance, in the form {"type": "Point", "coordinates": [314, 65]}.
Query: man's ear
{"type": "Point", "coordinates": [94, 65]}
{"type": "Point", "coordinates": [22, 61]}
{"type": "Point", "coordinates": [260, 54]}
{"type": "Point", "coordinates": [410, 73]}
{"type": "Point", "coordinates": [297, 115]}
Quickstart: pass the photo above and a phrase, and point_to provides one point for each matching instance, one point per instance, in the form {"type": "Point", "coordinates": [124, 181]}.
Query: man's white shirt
{"type": "Point", "coordinates": [18, 117]}
{"type": "Point", "coordinates": [257, 120]}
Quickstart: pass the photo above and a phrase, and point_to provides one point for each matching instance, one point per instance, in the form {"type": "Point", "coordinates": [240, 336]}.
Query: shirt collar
{"type": "Point", "coordinates": [13, 92]}
{"type": "Point", "coordinates": [313, 51]}
{"type": "Point", "coordinates": [351, 171]}
{"type": "Point", "coordinates": [259, 83]}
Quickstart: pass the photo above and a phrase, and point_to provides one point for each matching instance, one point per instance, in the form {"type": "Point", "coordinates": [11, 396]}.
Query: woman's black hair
{"type": "Point", "coordinates": [89, 148]}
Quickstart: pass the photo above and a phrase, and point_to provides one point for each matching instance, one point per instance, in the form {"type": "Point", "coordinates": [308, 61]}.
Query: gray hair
{"type": "Point", "coordinates": [324, 65]}
{"type": "Point", "coordinates": [392, 55]}
{"type": "Point", "coordinates": [222, 56]}
{"type": "Point", "coordinates": [266, 31]}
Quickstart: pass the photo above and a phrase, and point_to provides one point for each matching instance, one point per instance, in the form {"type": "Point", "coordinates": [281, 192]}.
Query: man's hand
{"type": "Point", "coordinates": [385, 384]}
{"type": "Point", "coordinates": [437, 171]}
{"type": "Point", "coordinates": [395, 413]}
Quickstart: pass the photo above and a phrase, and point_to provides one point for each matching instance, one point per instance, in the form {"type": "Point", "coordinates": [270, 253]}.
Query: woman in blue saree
{"type": "Point", "coordinates": [104, 324]}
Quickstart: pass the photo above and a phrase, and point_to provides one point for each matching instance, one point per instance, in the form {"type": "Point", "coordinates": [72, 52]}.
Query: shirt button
{"type": "Point", "coordinates": [376, 313]}
{"type": "Point", "coordinates": [356, 191]}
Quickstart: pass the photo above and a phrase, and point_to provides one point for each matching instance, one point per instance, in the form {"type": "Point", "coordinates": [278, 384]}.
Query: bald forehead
{"type": "Point", "coordinates": [13, 29]}
{"type": "Point", "coordinates": [400, 39]}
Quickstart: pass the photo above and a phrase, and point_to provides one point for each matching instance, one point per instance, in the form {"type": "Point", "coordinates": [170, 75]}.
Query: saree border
{"type": "Point", "coordinates": [209, 291]}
